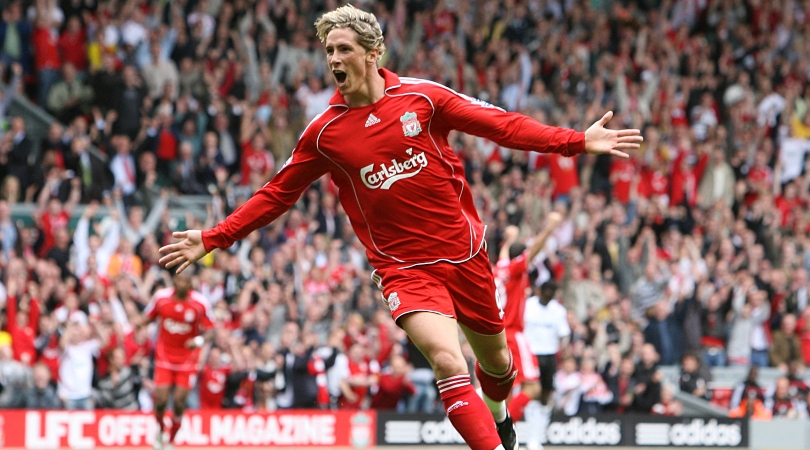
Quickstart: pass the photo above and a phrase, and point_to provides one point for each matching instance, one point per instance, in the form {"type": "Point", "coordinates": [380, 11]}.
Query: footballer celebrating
{"type": "Point", "coordinates": [383, 140]}
{"type": "Point", "coordinates": [182, 315]}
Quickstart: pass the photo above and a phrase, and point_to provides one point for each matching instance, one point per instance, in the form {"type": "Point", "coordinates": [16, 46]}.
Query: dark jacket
{"type": "Point", "coordinates": [36, 398]}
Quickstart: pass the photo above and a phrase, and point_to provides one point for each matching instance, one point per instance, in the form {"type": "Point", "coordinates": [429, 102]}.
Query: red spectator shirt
{"type": "Point", "coordinates": [46, 52]}
{"type": "Point", "coordinates": [787, 210]}
{"type": "Point", "coordinates": [22, 339]}
{"type": "Point", "coordinates": [253, 160]}
{"type": "Point", "coordinates": [166, 145]}
{"type": "Point", "coordinates": [400, 183]}
{"type": "Point", "coordinates": [50, 355]}
{"type": "Point", "coordinates": [356, 369]}
{"type": "Point", "coordinates": [761, 176]}
{"type": "Point", "coordinates": [391, 389]}
{"type": "Point", "coordinates": [212, 386]}
{"type": "Point", "coordinates": [133, 348]}
{"type": "Point", "coordinates": [102, 363]}
{"type": "Point", "coordinates": [180, 320]}
{"type": "Point", "coordinates": [622, 173]}
{"type": "Point", "coordinates": [564, 173]}
{"type": "Point", "coordinates": [653, 182]}
{"type": "Point", "coordinates": [73, 48]}
{"type": "Point", "coordinates": [49, 224]}
{"type": "Point", "coordinates": [512, 280]}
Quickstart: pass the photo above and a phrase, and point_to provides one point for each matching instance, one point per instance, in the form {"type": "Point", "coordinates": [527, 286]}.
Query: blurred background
{"type": "Point", "coordinates": [683, 269]}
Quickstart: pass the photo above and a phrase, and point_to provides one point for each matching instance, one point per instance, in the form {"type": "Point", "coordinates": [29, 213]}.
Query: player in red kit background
{"type": "Point", "coordinates": [183, 315]}
{"type": "Point", "coordinates": [512, 274]}
{"type": "Point", "coordinates": [213, 378]}
{"type": "Point", "coordinates": [383, 140]}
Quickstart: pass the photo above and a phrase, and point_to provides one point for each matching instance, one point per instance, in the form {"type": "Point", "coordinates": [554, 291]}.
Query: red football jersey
{"type": "Point", "coordinates": [565, 174]}
{"type": "Point", "coordinates": [513, 276]}
{"type": "Point", "coordinates": [622, 173]}
{"type": "Point", "coordinates": [400, 183]}
{"type": "Point", "coordinates": [355, 370]}
{"type": "Point", "coordinates": [212, 386]}
{"type": "Point", "coordinates": [180, 320]}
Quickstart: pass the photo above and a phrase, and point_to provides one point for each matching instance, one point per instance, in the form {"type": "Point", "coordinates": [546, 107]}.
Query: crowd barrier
{"type": "Point", "coordinates": [52, 430]}
{"type": "Point", "coordinates": [598, 431]}
{"type": "Point", "coordinates": [40, 430]}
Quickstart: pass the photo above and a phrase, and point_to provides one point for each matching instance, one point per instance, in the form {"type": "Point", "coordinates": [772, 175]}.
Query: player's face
{"type": "Point", "coordinates": [348, 60]}
{"type": "Point", "coordinates": [182, 284]}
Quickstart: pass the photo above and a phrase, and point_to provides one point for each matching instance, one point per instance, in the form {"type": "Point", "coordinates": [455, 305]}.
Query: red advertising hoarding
{"type": "Point", "coordinates": [105, 429]}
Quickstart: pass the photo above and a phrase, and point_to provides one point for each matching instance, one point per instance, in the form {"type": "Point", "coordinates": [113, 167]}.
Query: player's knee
{"type": "Point", "coordinates": [447, 363]}
{"type": "Point", "coordinates": [496, 362]}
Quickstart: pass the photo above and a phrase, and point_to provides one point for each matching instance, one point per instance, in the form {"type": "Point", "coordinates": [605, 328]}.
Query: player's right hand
{"type": "Point", "coordinates": [184, 253]}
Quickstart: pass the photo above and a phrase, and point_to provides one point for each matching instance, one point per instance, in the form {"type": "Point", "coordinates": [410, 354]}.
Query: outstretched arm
{"type": "Point", "coordinates": [517, 131]}
{"type": "Point", "coordinates": [304, 166]}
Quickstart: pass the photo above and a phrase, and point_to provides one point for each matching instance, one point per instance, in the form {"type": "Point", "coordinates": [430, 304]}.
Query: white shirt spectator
{"type": "Point", "coordinates": [545, 325]}
{"type": "Point", "coordinates": [567, 391]}
{"type": "Point", "coordinates": [123, 169]}
{"type": "Point", "coordinates": [109, 245]}
{"type": "Point", "coordinates": [315, 102]}
{"type": "Point", "coordinates": [759, 340]}
{"type": "Point", "coordinates": [769, 109]}
{"type": "Point", "coordinates": [158, 75]}
{"type": "Point", "coordinates": [133, 33]}
{"type": "Point", "coordinates": [208, 23]}
{"type": "Point", "coordinates": [336, 374]}
{"type": "Point", "coordinates": [76, 370]}
{"type": "Point", "coordinates": [63, 315]}
{"type": "Point", "coordinates": [112, 35]}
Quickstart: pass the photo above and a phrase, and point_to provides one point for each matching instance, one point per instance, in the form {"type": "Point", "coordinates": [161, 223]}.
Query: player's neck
{"type": "Point", "coordinates": [371, 92]}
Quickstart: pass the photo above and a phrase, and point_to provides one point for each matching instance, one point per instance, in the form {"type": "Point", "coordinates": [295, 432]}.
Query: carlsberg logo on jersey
{"type": "Point", "coordinates": [175, 327]}
{"type": "Point", "coordinates": [390, 174]}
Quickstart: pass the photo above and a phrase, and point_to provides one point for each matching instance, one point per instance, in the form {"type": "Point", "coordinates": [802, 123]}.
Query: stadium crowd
{"type": "Point", "coordinates": [695, 251]}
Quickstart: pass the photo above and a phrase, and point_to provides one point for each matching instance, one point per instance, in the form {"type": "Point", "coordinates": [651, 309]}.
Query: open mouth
{"type": "Point", "coordinates": [340, 77]}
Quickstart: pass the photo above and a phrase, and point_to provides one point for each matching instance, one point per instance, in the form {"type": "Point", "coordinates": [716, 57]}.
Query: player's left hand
{"type": "Point", "coordinates": [602, 141]}
{"type": "Point", "coordinates": [186, 252]}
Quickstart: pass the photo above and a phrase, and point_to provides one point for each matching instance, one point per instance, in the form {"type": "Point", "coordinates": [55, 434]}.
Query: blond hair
{"type": "Point", "coordinates": [369, 33]}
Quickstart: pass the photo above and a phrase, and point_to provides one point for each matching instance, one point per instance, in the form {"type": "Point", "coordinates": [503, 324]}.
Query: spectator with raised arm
{"type": "Point", "coordinates": [136, 228]}
{"type": "Point", "coordinates": [101, 245]}
{"type": "Point", "coordinates": [81, 342]}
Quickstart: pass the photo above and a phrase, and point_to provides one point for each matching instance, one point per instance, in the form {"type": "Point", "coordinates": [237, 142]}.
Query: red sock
{"type": "Point", "coordinates": [517, 404]}
{"type": "Point", "coordinates": [161, 424]}
{"type": "Point", "coordinates": [175, 428]}
{"type": "Point", "coordinates": [468, 413]}
{"type": "Point", "coordinates": [497, 387]}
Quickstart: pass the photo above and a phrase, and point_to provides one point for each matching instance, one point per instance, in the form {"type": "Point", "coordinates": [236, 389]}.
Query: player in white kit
{"type": "Point", "coordinates": [546, 330]}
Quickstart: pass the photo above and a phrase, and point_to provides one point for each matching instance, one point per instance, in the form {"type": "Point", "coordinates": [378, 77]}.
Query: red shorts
{"type": "Point", "coordinates": [181, 378]}
{"type": "Point", "coordinates": [465, 292]}
{"type": "Point", "coordinates": [523, 357]}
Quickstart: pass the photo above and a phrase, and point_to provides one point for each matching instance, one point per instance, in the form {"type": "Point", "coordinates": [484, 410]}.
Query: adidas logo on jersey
{"type": "Point", "coordinates": [372, 120]}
